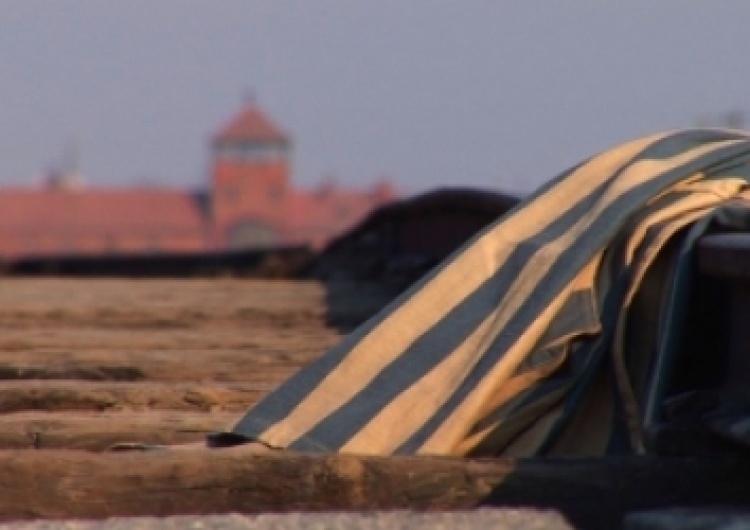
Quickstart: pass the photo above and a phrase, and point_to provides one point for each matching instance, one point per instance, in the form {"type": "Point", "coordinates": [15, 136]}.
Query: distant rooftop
{"type": "Point", "coordinates": [251, 125]}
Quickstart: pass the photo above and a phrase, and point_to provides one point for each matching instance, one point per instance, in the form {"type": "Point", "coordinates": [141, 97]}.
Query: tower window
{"type": "Point", "coordinates": [275, 193]}
{"type": "Point", "coordinates": [250, 151]}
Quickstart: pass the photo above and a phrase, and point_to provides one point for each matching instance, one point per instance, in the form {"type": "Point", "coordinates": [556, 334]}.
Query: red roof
{"type": "Point", "coordinates": [251, 124]}
{"type": "Point", "coordinates": [316, 216]}
{"type": "Point", "coordinates": [55, 210]}
{"type": "Point", "coordinates": [44, 221]}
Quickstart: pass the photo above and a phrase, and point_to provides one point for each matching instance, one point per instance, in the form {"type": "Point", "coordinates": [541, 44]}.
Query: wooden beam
{"type": "Point", "coordinates": [229, 369]}
{"type": "Point", "coordinates": [593, 493]}
{"type": "Point", "coordinates": [96, 431]}
{"type": "Point", "coordinates": [56, 395]}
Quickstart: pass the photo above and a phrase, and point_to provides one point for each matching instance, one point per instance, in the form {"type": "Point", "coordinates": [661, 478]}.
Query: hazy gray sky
{"type": "Point", "coordinates": [489, 93]}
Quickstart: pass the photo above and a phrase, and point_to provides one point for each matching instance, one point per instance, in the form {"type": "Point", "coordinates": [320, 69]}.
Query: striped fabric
{"type": "Point", "coordinates": [542, 335]}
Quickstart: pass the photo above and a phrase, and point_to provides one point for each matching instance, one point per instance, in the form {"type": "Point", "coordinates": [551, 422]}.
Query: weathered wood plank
{"type": "Point", "coordinates": [591, 493]}
{"type": "Point", "coordinates": [266, 341]}
{"type": "Point", "coordinates": [166, 368]}
{"type": "Point", "coordinates": [227, 355]}
{"type": "Point", "coordinates": [98, 431]}
{"type": "Point", "coordinates": [164, 304]}
{"type": "Point", "coordinates": [140, 299]}
{"type": "Point", "coordinates": [121, 330]}
{"type": "Point", "coordinates": [54, 395]}
{"type": "Point", "coordinates": [172, 338]}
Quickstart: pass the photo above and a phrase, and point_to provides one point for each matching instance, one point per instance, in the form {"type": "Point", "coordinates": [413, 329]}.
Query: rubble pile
{"type": "Point", "coordinates": [398, 243]}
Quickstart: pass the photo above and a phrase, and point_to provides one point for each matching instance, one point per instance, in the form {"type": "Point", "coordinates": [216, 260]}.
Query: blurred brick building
{"type": "Point", "coordinates": [250, 201]}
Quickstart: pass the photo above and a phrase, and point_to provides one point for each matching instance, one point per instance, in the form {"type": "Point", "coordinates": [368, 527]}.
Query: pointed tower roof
{"type": "Point", "coordinates": [251, 124]}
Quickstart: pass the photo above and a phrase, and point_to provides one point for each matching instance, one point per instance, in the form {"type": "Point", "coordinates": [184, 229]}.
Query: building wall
{"type": "Point", "coordinates": [250, 201]}
{"type": "Point", "coordinates": [245, 192]}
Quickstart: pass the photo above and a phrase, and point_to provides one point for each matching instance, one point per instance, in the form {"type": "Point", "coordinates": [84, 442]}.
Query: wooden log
{"type": "Point", "coordinates": [237, 355]}
{"type": "Point", "coordinates": [268, 342]}
{"type": "Point", "coordinates": [180, 304]}
{"type": "Point", "coordinates": [225, 355]}
{"type": "Point", "coordinates": [107, 299]}
{"type": "Point", "coordinates": [54, 395]}
{"type": "Point", "coordinates": [98, 431]}
{"type": "Point", "coordinates": [592, 493]}
{"type": "Point", "coordinates": [158, 368]}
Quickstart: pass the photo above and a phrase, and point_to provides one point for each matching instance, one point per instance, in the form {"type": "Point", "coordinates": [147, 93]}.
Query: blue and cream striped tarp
{"type": "Point", "coordinates": [545, 334]}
